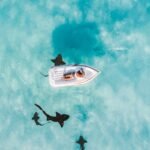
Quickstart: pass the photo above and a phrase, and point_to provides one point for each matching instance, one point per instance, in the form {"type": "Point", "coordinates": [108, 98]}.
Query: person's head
{"type": "Point", "coordinates": [80, 73]}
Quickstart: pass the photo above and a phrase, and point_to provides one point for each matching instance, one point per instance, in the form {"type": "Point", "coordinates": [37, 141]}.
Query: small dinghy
{"type": "Point", "coordinates": [68, 75]}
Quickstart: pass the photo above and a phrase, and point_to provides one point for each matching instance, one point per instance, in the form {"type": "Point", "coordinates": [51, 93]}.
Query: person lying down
{"type": "Point", "coordinates": [72, 74]}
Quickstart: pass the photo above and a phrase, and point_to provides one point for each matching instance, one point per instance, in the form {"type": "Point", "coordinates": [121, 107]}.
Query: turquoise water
{"type": "Point", "coordinates": [111, 112]}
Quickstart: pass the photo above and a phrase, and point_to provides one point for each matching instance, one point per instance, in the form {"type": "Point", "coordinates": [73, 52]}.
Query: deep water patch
{"type": "Point", "coordinates": [118, 15]}
{"type": "Point", "coordinates": [84, 6]}
{"type": "Point", "coordinates": [82, 113]}
{"type": "Point", "coordinates": [77, 41]}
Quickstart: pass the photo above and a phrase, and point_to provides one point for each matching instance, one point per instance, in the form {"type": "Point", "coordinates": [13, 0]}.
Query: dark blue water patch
{"type": "Point", "coordinates": [145, 131]}
{"type": "Point", "coordinates": [118, 15]}
{"type": "Point", "coordinates": [148, 10]}
{"type": "Point", "coordinates": [35, 1]}
{"type": "Point", "coordinates": [137, 15]}
{"type": "Point", "coordinates": [84, 6]}
{"type": "Point", "coordinates": [82, 113]}
{"type": "Point", "coordinates": [77, 40]}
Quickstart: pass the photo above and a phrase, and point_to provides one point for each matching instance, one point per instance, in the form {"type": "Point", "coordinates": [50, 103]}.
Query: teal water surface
{"type": "Point", "coordinates": [113, 111]}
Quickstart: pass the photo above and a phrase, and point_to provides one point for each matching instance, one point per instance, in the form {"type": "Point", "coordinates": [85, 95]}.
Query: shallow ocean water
{"type": "Point", "coordinates": [113, 111]}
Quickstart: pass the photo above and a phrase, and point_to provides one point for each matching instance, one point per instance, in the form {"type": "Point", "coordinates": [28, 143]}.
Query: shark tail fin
{"type": "Point", "coordinates": [38, 106]}
{"type": "Point", "coordinates": [44, 75]}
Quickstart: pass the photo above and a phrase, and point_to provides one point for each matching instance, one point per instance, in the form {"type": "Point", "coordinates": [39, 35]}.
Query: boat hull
{"type": "Point", "coordinates": [56, 75]}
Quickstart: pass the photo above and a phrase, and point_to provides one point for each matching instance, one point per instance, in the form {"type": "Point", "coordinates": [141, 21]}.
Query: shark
{"type": "Point", "coordinates": [81, 142]}
{"type": "Point", "coordinates": [59, 118]}
{"type": "Point", "coordinates": [58, 60]}
{"type": "Point", "coordinates": [36, 119]}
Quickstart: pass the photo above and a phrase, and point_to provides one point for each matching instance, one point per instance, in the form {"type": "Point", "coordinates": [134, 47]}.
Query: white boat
{"type": "Point", "coordinates": [71, 75]}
